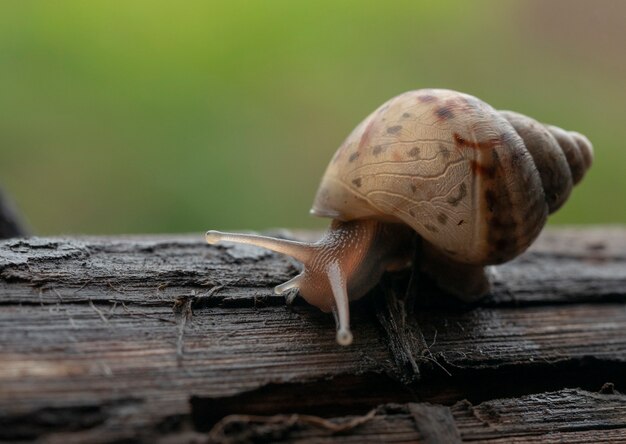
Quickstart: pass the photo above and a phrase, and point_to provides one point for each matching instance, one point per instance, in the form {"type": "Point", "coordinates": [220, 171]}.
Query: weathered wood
{"type": "Point", "coordinates": [161, 336]}
{"type": "Point", "coordinates": [570, 415]}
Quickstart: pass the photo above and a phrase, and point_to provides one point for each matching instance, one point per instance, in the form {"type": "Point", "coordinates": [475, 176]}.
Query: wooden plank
{"type": "Point", "coordinates": [132, 337]}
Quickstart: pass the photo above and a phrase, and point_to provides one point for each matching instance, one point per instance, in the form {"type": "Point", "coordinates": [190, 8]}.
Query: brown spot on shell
{"type": "Point", "coordinates": [490, 199]}
{"type": "Point", "coordinates": [444, 113]}
{"type": "Point", "coordinates": [398, 155]}
{"type": "Point", "coordinates": [377, 150]}
{"type": "Point", "coordinates": [426, 98]}
{"type": "Point", "coordinates": [411, 212]}
{"type": "Point", "coordinates": [394, 129]}
{"type": "Point", "coordinates": [354, 156]}
{"type": "Point", "coordinates": [481, 170]}
{"type": "Point", "coordinates": [445, 152]}
{"type": "Point", "coordinates": [442, 218]}
{"type": "Point", "coordinates": [431, 228]}
{"type": "Point", "coordinates": [357, 182]}
{"type": "Point", "coordinates": [406, 115]}
{"type": "Point", "coordinates": [487, 144]}
{"type": "Point", "coordinates": [414, 152]}
{"type": "Point", "coordinates": [413, 187]}
{"type": "Point", "coordinates": [461, 222]}
{"type": "Point", "coordinates": [454, 200]}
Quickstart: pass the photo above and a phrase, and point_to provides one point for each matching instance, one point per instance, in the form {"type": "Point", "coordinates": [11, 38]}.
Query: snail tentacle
{"type": "Point", "coordinates": [342, 308]}
{"type": "Point", "coordinates": [300, 251]}
{"type": "Point", "coordinates": [289, 285]}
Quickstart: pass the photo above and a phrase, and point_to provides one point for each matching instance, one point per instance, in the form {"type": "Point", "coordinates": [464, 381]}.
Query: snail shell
{"type": "Point", "coordinates": [475, 183]}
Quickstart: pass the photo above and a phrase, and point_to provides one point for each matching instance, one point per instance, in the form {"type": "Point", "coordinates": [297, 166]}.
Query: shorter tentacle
{"type": "Point", "coordinates": [290, 284]}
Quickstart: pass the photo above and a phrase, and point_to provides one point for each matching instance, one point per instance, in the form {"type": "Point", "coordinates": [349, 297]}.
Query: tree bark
{"type": "Point", "coordinates": [161, 338]}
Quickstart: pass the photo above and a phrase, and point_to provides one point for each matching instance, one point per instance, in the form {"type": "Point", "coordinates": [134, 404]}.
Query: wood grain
{"type": "Point", "coordinates": [160, 337]}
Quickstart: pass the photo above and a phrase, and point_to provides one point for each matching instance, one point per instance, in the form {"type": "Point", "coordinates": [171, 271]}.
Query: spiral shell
{"type": "Point", "coordinates": [475, 183]}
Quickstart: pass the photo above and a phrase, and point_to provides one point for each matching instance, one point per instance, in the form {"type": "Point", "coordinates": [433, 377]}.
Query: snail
{"type": "Point", "coordinates": [474, 183]}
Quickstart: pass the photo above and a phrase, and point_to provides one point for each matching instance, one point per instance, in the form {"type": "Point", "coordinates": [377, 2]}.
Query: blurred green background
{"type": "Point", "coordinates": [161, 116]}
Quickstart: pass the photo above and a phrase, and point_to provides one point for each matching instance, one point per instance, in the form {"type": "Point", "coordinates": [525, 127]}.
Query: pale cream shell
{"type": "Point", "coordinates": [448, 165]}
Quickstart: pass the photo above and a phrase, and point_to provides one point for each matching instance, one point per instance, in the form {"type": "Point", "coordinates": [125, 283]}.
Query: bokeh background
{"type": "Point", "coordinates": [162, 116]}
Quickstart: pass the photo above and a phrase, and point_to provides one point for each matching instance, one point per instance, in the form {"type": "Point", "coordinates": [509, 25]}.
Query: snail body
{"type": "Point", "coordinates": [475, 184]}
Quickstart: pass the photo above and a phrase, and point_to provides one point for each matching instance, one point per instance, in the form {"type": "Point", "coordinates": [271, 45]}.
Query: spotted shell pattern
{"type": "Point", "coordinates": [475, 183]}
